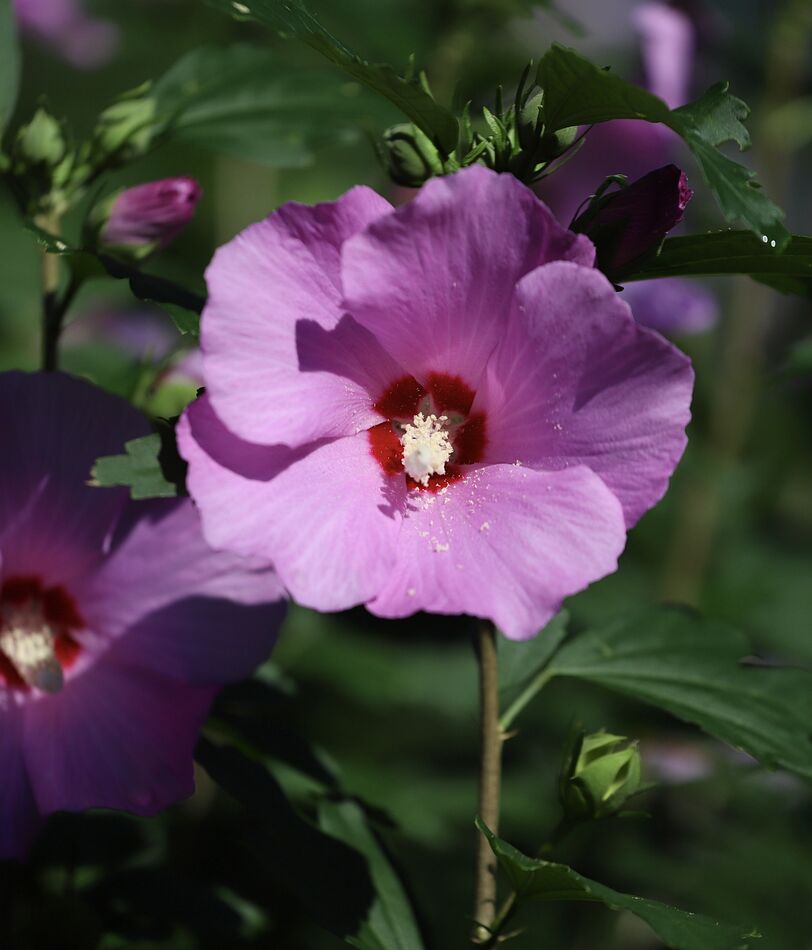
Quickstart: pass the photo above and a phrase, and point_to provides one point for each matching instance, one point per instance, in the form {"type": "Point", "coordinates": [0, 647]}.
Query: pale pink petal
{"type": "Point", "coordinates": [114, 737]}
{"type": "Point", "coordinates": [276, 351]}
{"type": "Point", "coordinates": [576, 381]}
{"type": "Point", "coordinates": [507, 543]}
{"type": "Point", "coordinates": [328, 517]}
{"type": "Point", "coordinates": [433, 280]}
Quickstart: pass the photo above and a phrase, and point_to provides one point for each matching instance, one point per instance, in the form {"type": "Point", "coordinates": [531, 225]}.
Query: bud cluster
{"type": "Point", "coordinates": [512, 140]}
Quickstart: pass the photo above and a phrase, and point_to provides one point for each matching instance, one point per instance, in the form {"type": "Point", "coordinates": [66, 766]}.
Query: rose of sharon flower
{"type": "Point", "coordinates": [118, 624]}
{"type": "Point", "coordinates": [83, 40]}
{"type": "Point", "coordinates": [442, 407]}
{"type": "Point", "coordinates": [151, 215]}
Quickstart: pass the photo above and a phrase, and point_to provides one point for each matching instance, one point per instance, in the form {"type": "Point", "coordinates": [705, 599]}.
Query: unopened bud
{"type": "Point", "coordinates": [147, 217]}
{"type": "Point", "coordinates": [601, 772]}
{"type": "Point", "coordinates": [628, 225]}
{"type": "Point", "coordinates": [410, 156]}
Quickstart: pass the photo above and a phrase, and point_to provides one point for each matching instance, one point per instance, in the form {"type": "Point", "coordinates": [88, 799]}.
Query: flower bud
{"type": "Point", "coordinates": [600, 773]}
{"type": "Point", "coordinates": [410, 156]}
{"type": "Point", "coordinates": [628, 225]}
{"type": "Point", "coordinates": [147, 217]}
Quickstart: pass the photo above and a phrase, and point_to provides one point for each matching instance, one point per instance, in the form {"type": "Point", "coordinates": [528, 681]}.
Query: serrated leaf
{"type": "Point", "coordinates": [9, 64]}
{"type": "Point", "coordinates": [577, 92]}
{"type": "Point", "coordinates": [532, 878]}
{"type": "Point", "coordinates": [139, 469]}
{"type": "Point", "coordinates": [691, 667]}
{"type": "Point", "coordinates": [390, 924]}
{"type": "Point", "coordinates": [291, 18]}
{"type": "Point", "coordinates": [728, 252]}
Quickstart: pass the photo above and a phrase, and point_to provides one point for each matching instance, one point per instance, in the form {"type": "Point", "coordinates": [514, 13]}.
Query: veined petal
{"type": "Point", "coordinates": [507, 543]}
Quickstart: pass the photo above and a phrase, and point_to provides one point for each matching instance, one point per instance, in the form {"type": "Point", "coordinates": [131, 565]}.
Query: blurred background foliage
{"type": "Point", "coordinates": [391, 706]}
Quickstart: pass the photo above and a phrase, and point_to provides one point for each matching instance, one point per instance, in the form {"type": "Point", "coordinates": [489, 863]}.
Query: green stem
{"type": "Point", "coordinates": [51, 315]}
{"type": "Point", "coordinates": [534, 686]}
{"type": "Point", "coordinates": [491, 739]}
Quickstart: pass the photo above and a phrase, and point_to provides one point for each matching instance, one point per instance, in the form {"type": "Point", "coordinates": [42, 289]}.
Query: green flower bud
{"type": "Point", "coordinates": [41, 142]}
{"type": "Point", "coordinates": [410, 156]}
{"type": "Point", "coordinates": [530, 121]}
{"type": "Point", "coordinates": [599, 775]}
{"type": "Point", "coordinates": [126, 129]}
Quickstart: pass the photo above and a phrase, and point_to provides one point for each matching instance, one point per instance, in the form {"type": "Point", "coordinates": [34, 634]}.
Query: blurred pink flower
{"type": "Point", "coordinates": [63, 25]}
{"type": "Point", "coordinates": [118, 624]}
{"type": "Point", "coordinates": [439, 407]}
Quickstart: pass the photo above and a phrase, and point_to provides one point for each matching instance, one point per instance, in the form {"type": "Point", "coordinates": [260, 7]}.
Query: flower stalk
{"type": "Point", "coordinates": [490, 775]}
{"type": "Point", "coordinates": [52, 311]}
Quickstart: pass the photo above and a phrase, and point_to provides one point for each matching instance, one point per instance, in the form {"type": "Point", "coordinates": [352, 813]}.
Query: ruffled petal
{"type": "Point", "coordinates": [575, 381]}
{"type": "Point", "coordinates": [114, 737]}
{"type": "Point", "coordinates": [433, 280]}
{"type": "Point", "coordinates": [328, 517]}
{"type": "Point", "coordinates": [53, 428]}
{"type": "Point", "coordinates": [282, 362]}
{"type": "Point", "coordinates": [181, 608]}
{"type": "Point", "coordinates": [507, 543]}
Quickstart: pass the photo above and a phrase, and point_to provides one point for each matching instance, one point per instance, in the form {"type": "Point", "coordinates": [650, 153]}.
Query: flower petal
{"type": "Point", "coordinates": [52, 524]}
{"type": "Point", "coordinates": [433, 280]}
{"type": "Point", "coordinates": [576, 381]}
{"type": "Point", "coordinates": [327, 516]}
{"type": "Point", "coordinates": [280, 363]}
{"type": "Point", "coordinates": [19, 818]}
{"type": "Point", "coordinates": [114, 737]}
{"type": "Point", "coordinates": [181, 608]}
{"type": "Point", "coordinates": [507, 543]}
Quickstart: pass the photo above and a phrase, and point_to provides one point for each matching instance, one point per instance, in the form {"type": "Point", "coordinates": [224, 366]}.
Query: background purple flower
{"type": "Point", "coordinates": [117, 622]}
{"type": "Point", "coordinates": [402, 411]}
{"type": "Point", "coordinates": [63, 25]}
{"type": "Point", "coordinates": [666, 38]}
{"type": "Point", "coordinates": [152, 214]}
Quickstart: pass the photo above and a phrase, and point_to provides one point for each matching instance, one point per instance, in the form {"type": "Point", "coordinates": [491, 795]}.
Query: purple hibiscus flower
{"type": "Point", "coordinates": [118, 624]}
{"type": "Point", "coordinates": [63, 25]}
{"type": "Point", "coordinates": [439, 407]}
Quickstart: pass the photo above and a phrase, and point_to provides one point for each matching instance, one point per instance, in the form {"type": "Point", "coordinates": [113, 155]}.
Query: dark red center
{"type": "Point", "coordinates": [60, 611]}
{"type": "Point", "coordinates": [443, 394]}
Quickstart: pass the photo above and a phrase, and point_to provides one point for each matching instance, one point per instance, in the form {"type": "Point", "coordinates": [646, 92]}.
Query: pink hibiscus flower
{"type": "Point", "coordinates": [439, 407]}
{"type": "Point", "coordinates": [117, 623]}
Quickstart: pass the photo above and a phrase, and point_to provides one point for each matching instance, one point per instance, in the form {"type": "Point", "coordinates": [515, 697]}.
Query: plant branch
{"type": "Point", "coordinates": [489, 781]}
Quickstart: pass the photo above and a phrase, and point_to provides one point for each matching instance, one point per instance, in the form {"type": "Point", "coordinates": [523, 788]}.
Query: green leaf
{"type": "Point", "coordinates": [390, 924]}
{"type": "Point", "coordinates": [576, 92]}
{"type": "Point", "coordinates": [532, 878]}
{"type": "Point", "coordinates": [691, 666]}
{"type": "Point", "coordinates": [292, 18]}
{"type": "Point", "coordinates": [728, 252]}
{"type": "Point", "coordinates": [521, 660]}
{"type": "Point", "coordinates": [143, 469]}
{"type": "Point", "coordinates": [9, 63]}
{"type": "Point", "coordinates": [327, 877]}
{"type": "Point", "coordinates": [244, 101]}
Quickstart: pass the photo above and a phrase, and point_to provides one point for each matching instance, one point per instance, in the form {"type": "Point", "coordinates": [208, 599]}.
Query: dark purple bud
{"type": "Point", "coordinates": [150, 216]}
{"type": "Point", "coordinates": [628, 225]}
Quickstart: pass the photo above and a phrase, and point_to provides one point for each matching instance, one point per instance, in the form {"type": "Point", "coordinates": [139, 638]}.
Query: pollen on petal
{"type": "Point", "coordinates": [426, 447]}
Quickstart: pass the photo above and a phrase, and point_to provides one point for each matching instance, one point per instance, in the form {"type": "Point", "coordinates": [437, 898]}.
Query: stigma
{"type": "Point", "coordinates": [29, 643]}
{"type": "Point", "coordinates": [426, 447]}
